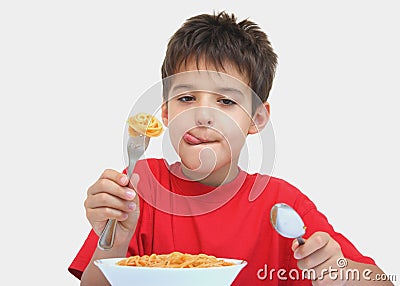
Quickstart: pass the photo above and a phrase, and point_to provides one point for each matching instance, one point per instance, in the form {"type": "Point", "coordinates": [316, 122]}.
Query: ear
{"type": "Point", "coordinates": [260, 119]}
{"type": "Point", "coordinates": [164, 113]}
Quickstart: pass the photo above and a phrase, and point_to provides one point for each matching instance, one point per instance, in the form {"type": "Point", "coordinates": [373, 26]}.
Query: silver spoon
{"type": "Point", "coordinates": [287, 222]}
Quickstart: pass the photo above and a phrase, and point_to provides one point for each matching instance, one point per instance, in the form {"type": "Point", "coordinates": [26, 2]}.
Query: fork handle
{"type": "Point", "coordinates": [106, 240]}
{"type": "Point", "coordinates": [136, 147]}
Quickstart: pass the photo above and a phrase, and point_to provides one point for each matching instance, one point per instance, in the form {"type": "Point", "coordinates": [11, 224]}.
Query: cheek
{"type": "Point", "coordinates": [234, 140]}
{"type": "Point", "coordinates": [235, 132]}
{"type": "Point", "coordinates": [179, 124]}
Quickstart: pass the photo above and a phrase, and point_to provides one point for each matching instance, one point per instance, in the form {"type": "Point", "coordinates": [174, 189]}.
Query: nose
{"type": "Point", "coordinates": [204, 116]}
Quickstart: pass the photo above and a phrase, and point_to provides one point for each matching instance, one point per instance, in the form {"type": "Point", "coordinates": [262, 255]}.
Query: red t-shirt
{"type": "Point", "coordinates": [231, 221]}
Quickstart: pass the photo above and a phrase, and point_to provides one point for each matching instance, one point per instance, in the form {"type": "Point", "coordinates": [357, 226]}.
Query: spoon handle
{"type": "Point", "coordinates": [300, 240]}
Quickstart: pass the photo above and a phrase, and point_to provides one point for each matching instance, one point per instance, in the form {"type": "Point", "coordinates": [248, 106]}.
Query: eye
{"type": "Point", "coordinates": [226, 101]}
{"type": "Point", "coordinates": [186, 98]}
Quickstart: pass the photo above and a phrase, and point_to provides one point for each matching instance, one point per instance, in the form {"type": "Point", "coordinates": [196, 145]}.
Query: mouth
{"type": "Point", "coordinates": [191, 139]}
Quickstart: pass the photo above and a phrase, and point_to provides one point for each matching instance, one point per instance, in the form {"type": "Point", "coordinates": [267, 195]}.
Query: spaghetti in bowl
{"type": "Point", "coordinates": [175, 269]}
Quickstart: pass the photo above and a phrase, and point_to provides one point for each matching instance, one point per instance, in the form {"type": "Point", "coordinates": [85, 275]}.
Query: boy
{"type": "Point", "coordinates": [208, 129]}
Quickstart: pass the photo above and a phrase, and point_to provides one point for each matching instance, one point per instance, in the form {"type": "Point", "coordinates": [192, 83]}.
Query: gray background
{"type": "Point", "coordinates": [70, 72]}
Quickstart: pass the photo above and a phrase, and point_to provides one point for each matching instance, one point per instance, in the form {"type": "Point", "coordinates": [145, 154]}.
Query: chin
{"type": "Point", "coordinates": [204, 167]}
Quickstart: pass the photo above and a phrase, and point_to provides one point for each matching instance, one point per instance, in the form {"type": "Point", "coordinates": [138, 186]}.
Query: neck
{"type": "Point", "coordinates": [218, 177]}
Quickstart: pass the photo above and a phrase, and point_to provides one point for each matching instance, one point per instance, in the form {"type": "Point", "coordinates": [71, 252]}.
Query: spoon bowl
{"type": "Point", "coordinates": [287, 222]}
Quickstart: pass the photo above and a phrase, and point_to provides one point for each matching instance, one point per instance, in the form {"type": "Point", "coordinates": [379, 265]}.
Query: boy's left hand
{"type": "Point", "coordinates": [319, 253]}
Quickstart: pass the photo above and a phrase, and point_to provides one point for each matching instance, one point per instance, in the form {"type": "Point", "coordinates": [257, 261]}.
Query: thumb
{"type": "Point", "coordinates": [134, 180]}
{"type": "Point", "coordinates": [133, 183]}
{"type": "Point", "coordinates": [296, 244]}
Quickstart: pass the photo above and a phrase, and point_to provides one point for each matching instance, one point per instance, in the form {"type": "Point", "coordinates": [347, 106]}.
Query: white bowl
{"type": "Point", "coordinates": [150, 276]}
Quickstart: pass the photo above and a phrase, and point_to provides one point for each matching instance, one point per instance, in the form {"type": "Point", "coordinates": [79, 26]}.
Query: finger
{"type": "Point", "coordinates": [321, 256]}
{"type": "Point", "coordinates": [313, 260]}
{"type": "Point", "coordinates": [316, 241]}
{"type": "Point", "coordinates": [115, 176]}
{"type": "Point", "coordinates": [108, 200]}
{"type": "Point", "coordinates": [295, 243]}
{"type": "Point", "coordinates": [102, 214]}
{"type": "Point", "coordinates": [112, 188]}
{"type": "Point", "coordinates": [321, 272]}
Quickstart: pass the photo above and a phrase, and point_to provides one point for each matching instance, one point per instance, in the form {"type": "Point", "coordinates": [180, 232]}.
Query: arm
{"type": "Point", "coordinates": [110, 197]}
{"type": "Point", "coordinates": [321, 255]}
{"type": "Point", "coordinates": [369, 272]}
{"type": "Point", "coordinates": [92, 274]}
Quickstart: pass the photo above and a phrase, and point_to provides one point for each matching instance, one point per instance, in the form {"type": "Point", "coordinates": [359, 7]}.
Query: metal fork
{"type": "Point", "coordinates": [135, 147]}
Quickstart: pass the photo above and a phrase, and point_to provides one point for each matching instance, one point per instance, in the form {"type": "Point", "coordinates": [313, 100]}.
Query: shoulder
{"type": "Point", "coordinates": [272, 190]}
{"type": "Point", "coordinates": [266, 185]}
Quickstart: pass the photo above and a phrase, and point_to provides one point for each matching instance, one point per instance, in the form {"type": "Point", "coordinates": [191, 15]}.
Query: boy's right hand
{"type": "Point", "coordinates": [112, 197]}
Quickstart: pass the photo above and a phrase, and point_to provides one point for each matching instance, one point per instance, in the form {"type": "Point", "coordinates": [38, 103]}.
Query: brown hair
{"type": "Point", "coordinates": [219, 38]}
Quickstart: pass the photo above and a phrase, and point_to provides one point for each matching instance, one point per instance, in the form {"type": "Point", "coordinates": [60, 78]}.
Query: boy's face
{"type": "Point", "coordinates": [209, 116]}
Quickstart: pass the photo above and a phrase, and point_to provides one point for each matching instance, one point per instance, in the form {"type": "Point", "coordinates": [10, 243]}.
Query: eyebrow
{"type": "Point", "coordinates": [222, 90]}
{"type": "Point", "coordinates": [183, 86]}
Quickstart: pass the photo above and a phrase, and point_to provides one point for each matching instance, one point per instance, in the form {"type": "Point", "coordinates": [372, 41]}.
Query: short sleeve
{"type": "Point", "coordinates": [84, 255]}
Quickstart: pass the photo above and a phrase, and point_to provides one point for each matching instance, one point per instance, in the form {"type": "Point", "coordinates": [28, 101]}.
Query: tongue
{"type": "Point", "coordinates": [189, 138]}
